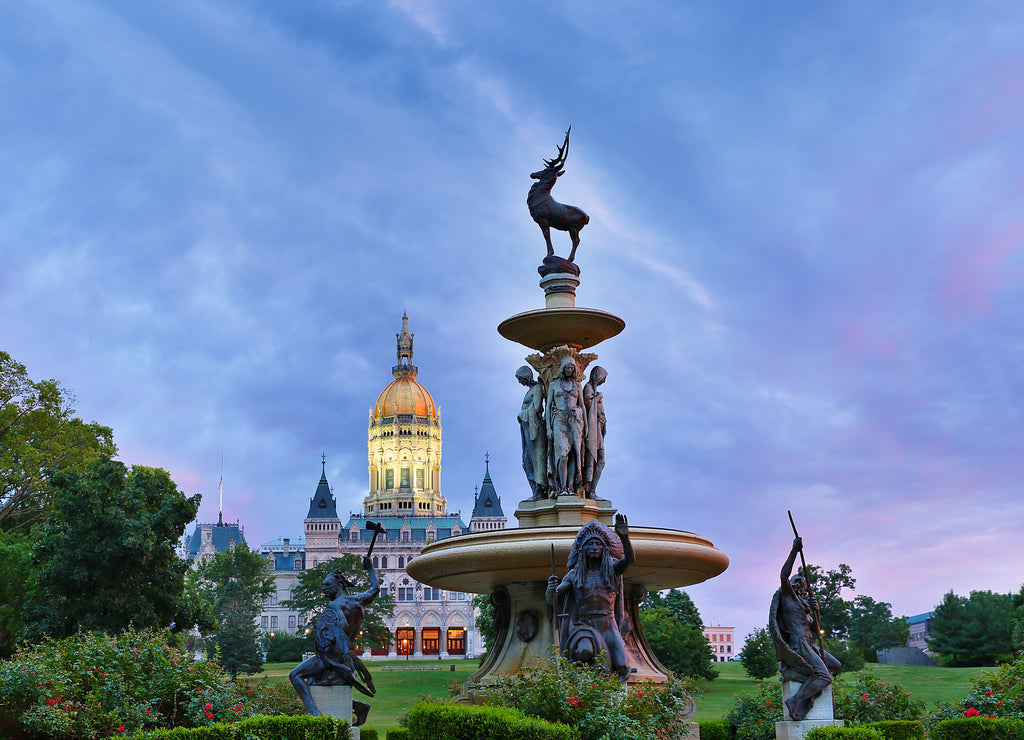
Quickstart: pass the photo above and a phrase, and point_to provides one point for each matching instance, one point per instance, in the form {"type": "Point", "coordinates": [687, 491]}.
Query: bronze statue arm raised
{"type": "Point", "coordinates": [371, 593]}
{"type": "Point", "coordinates": [787, 567]}
{"type": "Point", "coordinates": [628, 558]}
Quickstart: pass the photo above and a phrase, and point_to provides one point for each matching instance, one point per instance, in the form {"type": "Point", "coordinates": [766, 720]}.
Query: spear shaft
{"type": "Point", "coordinates": [810, 588]}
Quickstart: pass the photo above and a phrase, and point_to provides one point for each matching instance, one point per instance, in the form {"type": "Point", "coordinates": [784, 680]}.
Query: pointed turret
{"type": "Point", "coordinates": [404, 368]}
{"type": "Point", "coordinates": [323, 505]}
{"type": "Point", "coordinates": [487, 513]}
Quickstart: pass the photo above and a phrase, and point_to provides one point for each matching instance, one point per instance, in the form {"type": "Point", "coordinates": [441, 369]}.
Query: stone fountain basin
{"type": "Point", "coordinates": [477, 563]}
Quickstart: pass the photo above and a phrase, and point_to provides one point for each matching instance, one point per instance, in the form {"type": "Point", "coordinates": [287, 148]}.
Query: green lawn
{"type": "Point", "coordinates": [929, 684]}
{"type": "Point", "coordinates": [397, 690]}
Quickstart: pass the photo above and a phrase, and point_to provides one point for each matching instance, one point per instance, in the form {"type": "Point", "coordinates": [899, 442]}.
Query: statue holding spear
{"type": "Point", "coordinates": [794, 624]}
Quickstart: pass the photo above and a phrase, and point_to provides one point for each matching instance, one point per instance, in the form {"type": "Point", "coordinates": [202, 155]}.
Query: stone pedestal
{"type": "Point", "coordinates": [564, 511]}
{"type": "Point", "coordinates": [335, 701]}
{"type": "Point", "coordinates": [820, 715]}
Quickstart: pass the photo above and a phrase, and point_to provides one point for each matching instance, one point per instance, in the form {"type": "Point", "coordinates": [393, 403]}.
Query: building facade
{"type": "Point", "coordinates": [722, 644]}
{"type": "Point", "coordinates": [404, 496]}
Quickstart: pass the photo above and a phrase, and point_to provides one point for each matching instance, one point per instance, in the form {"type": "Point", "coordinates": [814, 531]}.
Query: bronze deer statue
{"type": "Point", "coordinates": [548, 212]}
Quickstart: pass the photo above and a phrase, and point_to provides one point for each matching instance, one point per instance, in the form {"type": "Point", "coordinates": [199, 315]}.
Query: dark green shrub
{"type": "Point", "coordinates": [899, 729]}
{"type": "Point", "coordinates": [714, 730]}
{"type": "Point", "coordinates": [259, 728]}
{"type": "Point", "coordinates": [835, 732]}
{"type": "Point", "coordinates": [445, 721]}
{"type": "Point", "coordinates": [863, 697]}
{"type": "Point", "coordinates": [368, 733]}
{"type": "Point", "coordinates": [753, 716]}
{"type": "Point", "coordinates": [978, 728]}
{"type": "Point", "coordinates": [397, 733]}
{"type": "Point", "coordinates": [593, 701]}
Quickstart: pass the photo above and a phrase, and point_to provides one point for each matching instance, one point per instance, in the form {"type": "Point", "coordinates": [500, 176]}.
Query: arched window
{"type": "Point", "coordinates": [401, 561]}
{"type": "Point", "coordinates": [376, 562]}
{"type": "Point", "coordinates": [384, 562]}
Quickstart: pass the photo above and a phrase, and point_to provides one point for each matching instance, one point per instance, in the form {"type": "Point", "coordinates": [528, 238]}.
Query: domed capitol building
{"type": "Point", "coordinates": [404, 458]}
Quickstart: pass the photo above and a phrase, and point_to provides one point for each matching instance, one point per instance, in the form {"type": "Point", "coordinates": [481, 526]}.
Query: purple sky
{"type": "Point", "coordinates": [810, 216]}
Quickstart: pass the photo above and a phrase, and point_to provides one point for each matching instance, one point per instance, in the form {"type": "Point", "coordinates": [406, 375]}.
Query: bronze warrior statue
{"type": "Point", "coordinates": [793, 625]}
{"type": "Point", "coordinates": [548, 212]}
{"type": "Point", "coordinates": [336, 662]}
{"type": "Point", "coordinates": [589, 602]}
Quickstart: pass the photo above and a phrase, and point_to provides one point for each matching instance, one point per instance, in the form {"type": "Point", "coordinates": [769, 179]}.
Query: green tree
{"type": "Point", "coordinates": [484, 610]}
{"type": "Point", "coordinates": [105, 556]}
{"type": "Point", "coordinates": [758, 655]}
{"type": "Point", "coordinates": [679, 604]}
{"type": "Point", "coordinates": [873, 628]}
{"type": "Point", "coordinates": [828, 588]}
{"type": "Point", "coordinates": [234, 584]}
{"type": "Point", "coordinates": [307, 597]}
{"type": "Point", "coordinates": [681, 647]}
{"type": "Point", "coordinates": [283, 647]}
{"type": "Point", "coordinates": [1017, 621]}
{"type": "Point", "coordinates": [15, 582]}
{"type": "Point", "coordinates": [39, 433]}
{"type": "Point", "coordinates": [972, 630]}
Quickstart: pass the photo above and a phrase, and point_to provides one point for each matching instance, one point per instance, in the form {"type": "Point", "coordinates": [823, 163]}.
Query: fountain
{"type": "Point", "coordinates": [563, 467]}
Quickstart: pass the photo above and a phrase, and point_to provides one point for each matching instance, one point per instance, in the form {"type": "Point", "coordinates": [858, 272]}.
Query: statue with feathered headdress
{"type": "Point", "coordinates": [589, 601]}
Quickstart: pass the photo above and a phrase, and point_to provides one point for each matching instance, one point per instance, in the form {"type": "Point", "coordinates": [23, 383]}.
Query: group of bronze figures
{"type": "Point", "coordinates": [563, 429]}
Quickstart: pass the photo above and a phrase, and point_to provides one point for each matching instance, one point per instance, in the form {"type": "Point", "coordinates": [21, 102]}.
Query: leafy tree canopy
{"type": "Point", "coordinates": [972, 630]}
{"type": "Point", "coordinates": [105, 556]}
{"type": "Point", "coordinates": [307, 597]}
{"type": "Point", "coordinates": [679, 604]}
{"type": "Point", "coordinates": [39, 433]}
{"type": "Point", "coordinates": [759, 659]}
{"type": "Point", "coordinates": [680, 646]}
{"type": "Point", "coordinates": [232, 585]}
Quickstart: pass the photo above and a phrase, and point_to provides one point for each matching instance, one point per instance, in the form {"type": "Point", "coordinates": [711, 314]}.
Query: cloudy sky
{"type": "Point", "coordinates": [809, 215]}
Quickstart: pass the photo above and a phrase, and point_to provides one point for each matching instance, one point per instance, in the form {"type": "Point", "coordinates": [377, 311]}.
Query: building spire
{"type": "Point", "coordinates": [404, 368]}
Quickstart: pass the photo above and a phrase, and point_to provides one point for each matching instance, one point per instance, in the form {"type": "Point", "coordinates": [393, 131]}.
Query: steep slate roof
{"type": "Point", "coordinates": [323, 505]}
{"type": "Point", "coordinates": [223, 534]}
{"type": "Point", "coordinates": [487, 503]}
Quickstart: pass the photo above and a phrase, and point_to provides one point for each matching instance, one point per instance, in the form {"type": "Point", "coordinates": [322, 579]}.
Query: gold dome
{"type": "Point", "coordinates": [405, 396]}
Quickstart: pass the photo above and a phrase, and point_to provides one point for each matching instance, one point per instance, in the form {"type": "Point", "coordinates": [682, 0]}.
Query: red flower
{"type": "Point", "coordinates": [147, 711]}
{"type": "Point", "coordinates": [208, 715]}
{"type": "Point", "coordinates": [988, 693]}
{"type": "Point", "coordinates": [863, 696]}
{"type": "Point", "coordinates": [999, 704]}
{"type": "Point", "coordinates": [208, 706]}
{"type": "Point", "coordinates": [972, 712]}
{"type": "Point", "coordinates": [639, 693]}
{"type": "Point", "coordinates": [121, 728]}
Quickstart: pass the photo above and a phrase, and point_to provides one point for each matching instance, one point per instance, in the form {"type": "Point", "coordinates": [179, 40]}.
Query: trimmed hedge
{"type": "Point", "coordinates": [835, 732]}
{"type": "Point", "coordinates": [978, 728]}
{"type": "Point", "coordinates": [368, 733]}
{"type": "Point", "coordinates": [714, 730]}
{"type": "Point", "coordinates": [302, 727]}
{"type": "Point", "coordinates": [899, 729]}
{"type": "Point", "coordinates": [397, 733]}
{"type": "Point", "coordinates": [444, 721]}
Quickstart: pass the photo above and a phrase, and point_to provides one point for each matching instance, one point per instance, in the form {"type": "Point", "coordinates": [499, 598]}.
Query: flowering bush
{"type": "Point", "coordinates": [995, 694]}
{"type": "Point", "coordinates": [594, 701]}
{"type": "Point", "coordinates": [753, 716]}
{"type": "Point", "coordinates": [93, 685]}
{"type": "Point", "coordinates": [863, 697]}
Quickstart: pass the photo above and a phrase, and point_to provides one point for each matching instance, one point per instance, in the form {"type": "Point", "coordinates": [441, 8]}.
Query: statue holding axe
{"type": "Point", "coordinates": [794, 624]}
{"type": "Point", "coordinates": [336, 661]}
